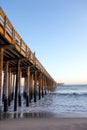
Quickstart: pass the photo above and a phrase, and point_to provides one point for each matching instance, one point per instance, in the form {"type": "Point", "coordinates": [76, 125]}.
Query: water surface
{"type": "Point", "coordinates": [67, 99]}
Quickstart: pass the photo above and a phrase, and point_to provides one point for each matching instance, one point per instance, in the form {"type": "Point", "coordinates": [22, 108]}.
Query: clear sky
{"type": "Point", "coordinates": [57, 31]}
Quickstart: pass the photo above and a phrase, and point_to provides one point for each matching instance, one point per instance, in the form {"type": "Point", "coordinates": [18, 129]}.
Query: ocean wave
{"type": "Point", "coordinates": [69, 94]}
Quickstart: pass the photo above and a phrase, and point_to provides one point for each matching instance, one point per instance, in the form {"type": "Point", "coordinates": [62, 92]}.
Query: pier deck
{"type": "Point", "coordinates": [17, 61]}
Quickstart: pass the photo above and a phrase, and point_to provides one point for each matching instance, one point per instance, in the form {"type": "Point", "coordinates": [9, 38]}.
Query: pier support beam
{"type": "Point", "coordinates": [39, 87]}
{"type": "Point", "coordinates": [35, 86]}
{"type": "Point", "coordinates": [42, 86]}
{"type": "Point", "coordinates": [28, 87]}
{"type": "Point", "coordinates": [25, 87]}
{"type": "Point", "coordinates": [9, 87]}
{"type": "Point", "coordinates": [6, 87]}
{"type": "Point", "coordinates": [3, 90]}
{"type": "Point", "coordinates": [45, 86]}
{"type": "Point", "coordinates": [1, 69]}
{"type": "Point", "coordinates": [17, 85]}
{"type": "Point", "coordinates": [19, 93]}
{"type": "Point", "coordinates": [32, 85]}
{"type": "Point", "coordinates": [13, 86]}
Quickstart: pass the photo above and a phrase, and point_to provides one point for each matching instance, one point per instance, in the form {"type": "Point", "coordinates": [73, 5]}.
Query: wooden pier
{"type": "Point", "coordinates": [18, 62]}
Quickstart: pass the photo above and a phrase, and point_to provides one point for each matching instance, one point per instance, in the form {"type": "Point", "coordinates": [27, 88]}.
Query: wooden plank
{"type": "Point", "coordinates": [7, 46]}
{"type": "Point", "coordinates": [16, 53]}
{"type": "Point", "coordinates": [7, 53]}
{"type": "Point", "coordinates": [8, 37]}
{"type": "Point", "coordinates": [1, 30]}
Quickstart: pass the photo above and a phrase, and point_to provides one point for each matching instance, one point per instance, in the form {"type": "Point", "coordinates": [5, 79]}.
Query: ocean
{"type": "Point", "coordinates": [65, 100]}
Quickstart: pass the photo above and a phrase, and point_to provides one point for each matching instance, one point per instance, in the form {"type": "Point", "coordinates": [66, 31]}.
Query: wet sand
{"type": "Point", "coordinates": [44, 123]}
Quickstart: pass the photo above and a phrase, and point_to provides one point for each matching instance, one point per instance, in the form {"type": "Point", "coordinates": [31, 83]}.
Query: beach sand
{"type": "Point", "coordinates": [46, 123]}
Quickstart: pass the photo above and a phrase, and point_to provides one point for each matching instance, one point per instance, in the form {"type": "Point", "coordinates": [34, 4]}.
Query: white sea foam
{"type": "Point", "coordinates": [65, 99]}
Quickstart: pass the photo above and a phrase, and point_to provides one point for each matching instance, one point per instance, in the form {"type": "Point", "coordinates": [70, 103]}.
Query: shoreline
{"type": "Point", "coordinates": [47, 123]}
{"type": "Point", "coordinates": [16, 115]}
{"type": "Point", "coordinates": [44, 121]}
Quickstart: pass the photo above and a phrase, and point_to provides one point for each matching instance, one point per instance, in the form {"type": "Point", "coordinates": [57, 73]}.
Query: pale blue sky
{"type": "Point", "coordinates": [57, 31]}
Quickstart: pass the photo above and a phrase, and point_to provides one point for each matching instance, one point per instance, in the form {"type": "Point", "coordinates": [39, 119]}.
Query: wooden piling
{"type": "Point", "coordinates": [39, 91]}
{"type": "Point", "coordinates": [9, 87]}
{"type": "Point", "coordinates": [26, 92]}
{"type": "Point", "coordinates": [45, 86]}
{"type": "Point", "coordinates": [13, 86]}
{"type": "Point", "coordinates": [1, 69]}
{"type": "Point", "coordinates": [28, 87]}
{"type": "Point", "coordinates": [17, 85]}
{"type": "Point", "coordinates": [6, 87]}
{"type": "Point", "coordinates": [35, 86]}
{"type": "Point", "coordinates": [32, 85]}
{"type": "Point", "coordinates": [3, 87]}
{"type": "Point", "coordinates": [19, 93]}
{"type": "Point", "coordinates": [25, 87]}
{"type": "Point", "coordinates": [42, 86]}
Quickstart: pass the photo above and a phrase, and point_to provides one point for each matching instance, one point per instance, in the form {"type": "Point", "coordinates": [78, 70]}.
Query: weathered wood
{"type": "Point", "coordinates": [6, 87]}
{"type": "Point", "coordinates": [35, 86]}
{"type": "Point", "coordinates": [1, 69]}
{"type": "Point", "coordinates": [32, 85]}
{"type": "Point", "coordinates": [13, 87]}
{"type": "Point", "coordinates": [29, 89]}
{"type": "Point", "coordinates": [26, 92]}
{"type": "Point", "coordinates": [45, 86]}
{"type": "Point", "coordinates": [40, 86]}
{"type": "Point", "coordinates": [7, 46]}
{"type": "Point", "coordinates": [3, 88]}
{"type": "Point", "coordinates": [9, 54]}
{"type": "Point", "coordinates": [9, 87]}
{"type": "Point", "coordinates": [25, 87]}
{"type": "Point", "coordinates": [15, 52]}
{"type": "Point", "coordinates": [20, 76]}
{"type": "Point", "coordinates": [28, 86]}
{"type": "Point", "coordinates": [17, 85]}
